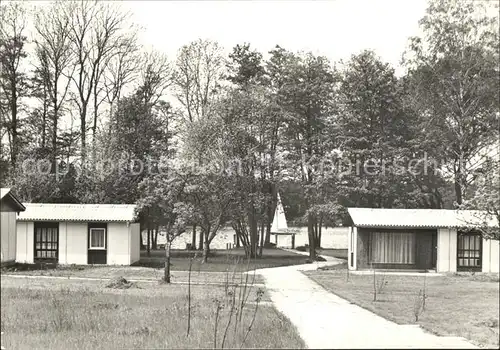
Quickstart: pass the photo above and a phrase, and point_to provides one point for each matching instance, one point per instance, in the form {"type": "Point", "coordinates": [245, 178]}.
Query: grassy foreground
{"type": "Point", "coordinates": [65, 318]}
{"type": "Point", "coordinates": [456, 305]}
{"type": "Point", "coordinates": [128, 272]}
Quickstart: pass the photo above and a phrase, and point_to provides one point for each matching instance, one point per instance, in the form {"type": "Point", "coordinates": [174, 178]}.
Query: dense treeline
{"type": "Point", "coordinates": [207, 140]}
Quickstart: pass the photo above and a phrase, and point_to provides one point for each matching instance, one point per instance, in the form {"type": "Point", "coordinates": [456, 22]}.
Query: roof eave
{"type": "Point", "coordinates": [71, 220]}
{"type": "Point", "coordinates": [422, 226]}
{"type": "Point", "coordinates": [18, 205]}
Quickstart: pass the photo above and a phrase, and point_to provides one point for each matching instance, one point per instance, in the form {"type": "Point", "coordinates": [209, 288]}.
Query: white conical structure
{"type": "Point", "coordinates": [279, 221]}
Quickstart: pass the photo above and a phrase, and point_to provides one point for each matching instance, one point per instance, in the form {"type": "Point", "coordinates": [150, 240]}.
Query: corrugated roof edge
{"type": "Point", "coordinates": [76, 206]}
{"type": "Point", "coordinates": [447, 218]}
{"type": "Point", "coordinates": [416, 226]}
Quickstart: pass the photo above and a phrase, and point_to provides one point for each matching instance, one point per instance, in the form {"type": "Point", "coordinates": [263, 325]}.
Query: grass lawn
{"type": "Point", "coordinates": [63, 314]}
{"type": "Point", "coordinates": [133, 273]}
{"type": "Point", "coordinates": [219, 260]}
{"type": "Point", "coordinates": [220, 263]}
{"type": "Point", "coordinates": [336, 253]}
{"type": "Point", "coordinates": [457, 305]}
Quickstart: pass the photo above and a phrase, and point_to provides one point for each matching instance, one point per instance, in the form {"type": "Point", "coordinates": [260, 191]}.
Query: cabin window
{"type": "Point", "coordinates": [46, 241]}
{"type": "Point", "coordinates": [393, 247]}
{"type": "Point", "coordinates": [97, 238]}
{"type": "Point", "coordinates": [469, 251]}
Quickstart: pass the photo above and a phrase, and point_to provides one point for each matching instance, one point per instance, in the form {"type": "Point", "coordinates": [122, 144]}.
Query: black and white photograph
{"type": "Point", "coordinates": [249, 174]}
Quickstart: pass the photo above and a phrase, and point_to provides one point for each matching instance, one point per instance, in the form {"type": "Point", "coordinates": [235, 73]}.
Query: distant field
{"type": "Point", "coordinates": [222, 260]}
{"type": "Point", "coordinates": [330, 238]}
{"type": "Point", "coordinates": [219, 262]}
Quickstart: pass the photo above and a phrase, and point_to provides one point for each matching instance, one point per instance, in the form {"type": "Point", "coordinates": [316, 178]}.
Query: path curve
{"type": "Point", "coordinates": [326, 321]}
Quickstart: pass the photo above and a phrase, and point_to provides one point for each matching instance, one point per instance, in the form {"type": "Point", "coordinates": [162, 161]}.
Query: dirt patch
{"type": "Point", "coordinates": [121, 283]}
{"type": "Point", "coordinates": [342, 266]}
{"type": "Point", "coordinates": [491, 323]}
{"type": "Point", "coordinates": [478, 277]}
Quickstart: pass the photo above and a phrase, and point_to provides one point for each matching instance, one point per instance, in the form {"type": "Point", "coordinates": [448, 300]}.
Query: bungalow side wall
{"type": "Point", "coordinates": [135, 242]}
{"type": "Point", "coordinates": [447, 250]}
{"type": "Point", "coordinates": [358, 240]}
{"type": "Point", "coordinates": [73, 243]}
{"type": "Point", "coordinates": [8, 236]}
{"type": "Point", "coordinates": [359, 249]}
{"type": "Point", "coordinates": [118, 244]}
{"type": "Point", "coordinates": [491, 255]}
{"type": "Point", "coordinates": [24, 246]}
{"type": "Point", "coordinates": [362, 248]}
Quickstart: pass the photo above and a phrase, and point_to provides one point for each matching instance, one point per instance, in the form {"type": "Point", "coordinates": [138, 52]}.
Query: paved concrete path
{"type": "Point", "coordinates": [326, 321]}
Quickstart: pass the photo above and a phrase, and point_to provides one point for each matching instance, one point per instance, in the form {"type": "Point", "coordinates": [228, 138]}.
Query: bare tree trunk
{"type": "Point", "coordinates": [270, 214]}
{"type": "Point", "coordinates": [142, 242]}
{"type": "Point", "coordinates": [238, 239]}
{"type": "Point", "coordinates": [312, 240]}
{"type": "Point", "coordinates": [54, 127]}
{"type": "Point", "coordinates": [320, 226]}
{"type": "Point", "coordinates": [149, 241]}
{"type": "Point", "coordinates": [166, 276]}
{"type": "Point", "coordinates": [262, 238]}
{"type": "Point", "coordinates": [200, 244]}
{"type": "Point", "coordinates": [155, 239]}
{"type": "Point", "coordinates": [94, 124]}
{"type": "Point", "coordinates": [83, 132]}
{"type": "Point", "coordinates": [315, 231]}
{"type": "Point", "coordinates": [15, 142]}
{"type": "Point", "coordinates": [253, 231]}
{"type": "Point", "coordinates": [193, 238]}
{"type": "Point", "coordinates": [206, 245]}
{"type": "Point", "coordinates": [458, 187]}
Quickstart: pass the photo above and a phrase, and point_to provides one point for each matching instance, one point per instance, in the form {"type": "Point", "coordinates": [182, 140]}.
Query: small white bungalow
{"type": "Point", "coordinates": [78, 234]}
{"type": "Point", "coordinates": [420, 239]}
{"type": "Point", "coordinates": [10, 207]}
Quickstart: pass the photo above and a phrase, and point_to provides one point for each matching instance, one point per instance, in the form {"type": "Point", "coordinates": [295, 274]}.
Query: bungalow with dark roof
{"type": "Point", "coordinates": [421, 240]}
{"type": "Point", "coordinates": [78, 234]}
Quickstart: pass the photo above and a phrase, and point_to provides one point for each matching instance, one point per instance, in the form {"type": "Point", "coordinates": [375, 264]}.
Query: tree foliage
{"type": "Point", "coordinates": [205, 140]}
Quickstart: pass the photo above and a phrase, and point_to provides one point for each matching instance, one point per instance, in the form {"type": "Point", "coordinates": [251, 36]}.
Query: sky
{"type": "Point", "coordinates": [336, 29]}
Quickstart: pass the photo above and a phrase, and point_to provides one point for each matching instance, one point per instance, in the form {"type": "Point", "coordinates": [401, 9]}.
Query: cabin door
{"type": "Point", "coordinates": [97, 243]}
{"type": "Point", "coordinates": [434, 250]}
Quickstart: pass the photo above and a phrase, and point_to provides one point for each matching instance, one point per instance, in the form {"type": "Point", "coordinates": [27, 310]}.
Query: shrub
{"type": "Point", "coordinates": [301, 248]}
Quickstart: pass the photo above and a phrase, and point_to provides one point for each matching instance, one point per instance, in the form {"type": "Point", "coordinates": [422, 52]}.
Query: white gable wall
{"type": "Point", "coordinates": [491, 255]}
{"type": "Point", "coordinates": [118, 244]}
{"type": "Point", "coordinates": [73, 243]}
{"type": "Point", "coordinates": [447, 250]}
{"type": "Point", "coordinates": [8, 236]}
{"type": "Point", "coordinates": [123, 246]}
{"type": "Point", "coordinates": [24, 246]}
